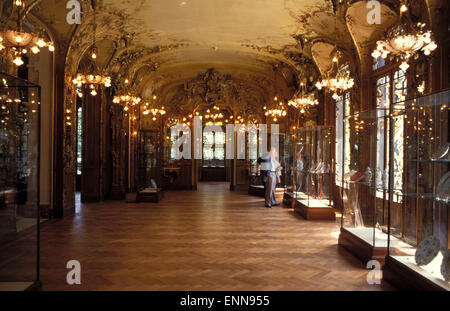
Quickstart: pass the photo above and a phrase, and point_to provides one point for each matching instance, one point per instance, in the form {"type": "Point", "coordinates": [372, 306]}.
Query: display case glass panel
{"type": "Point", "coordinates": [149, 158]}
{"type": "Point", "coordinates": [365, 178]}
{"type": "Point", "coordinates": [314, 166]}
{"type": "Point", "coordinates": [19, 182]}
{"type": "Point", "coordinates": [288, 164]}
{"type": "Point", "coordinates": [420, 196]}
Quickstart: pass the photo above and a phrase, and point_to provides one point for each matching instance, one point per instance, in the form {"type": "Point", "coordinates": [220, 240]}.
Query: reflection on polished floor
{"type": "Point", "coordinates": [210, 239]}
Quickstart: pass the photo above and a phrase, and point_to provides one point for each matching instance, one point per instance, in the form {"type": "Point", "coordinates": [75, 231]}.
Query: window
{"type": "Point", "coordinates": [378, 63]}
{"type": "Point", "coordinates": [385, 100]}
{"type": "Point", "coordinates": [213, 147]}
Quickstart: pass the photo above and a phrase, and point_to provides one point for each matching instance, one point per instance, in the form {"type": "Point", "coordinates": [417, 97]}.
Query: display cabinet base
{"type": "Point", "coordinates": [315, 213]}
{"type": "Point", "coordinates": [406, 278]}
{"type": "Point", "coordinates": [258, 190]}
{"type": "Point", "coordinates": [147, 195]}
{"type": "Point", "coordinates": [288, 199]}
{"type": "Point", "coordinates": [360, 248]}
{"type": "Point", "coordinates": [20, 286]}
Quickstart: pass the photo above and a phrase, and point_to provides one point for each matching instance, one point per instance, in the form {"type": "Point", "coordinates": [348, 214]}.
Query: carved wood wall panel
{"type": "Point", "coordinates": [90, 184]}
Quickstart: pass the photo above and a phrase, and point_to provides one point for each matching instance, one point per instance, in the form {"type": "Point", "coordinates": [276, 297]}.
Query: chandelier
{"type": "Point", "coordinates": [340, 82]}
{"type": "Point", "coordinates": [153, 111]}
{"type": "Point", "coordinates": [127, 100]}
{"type": "Point", "coordinates": [405, 40]}
{"type": "Point", "coordinates": [276, 112]}
{"type": "Point", "coordinates": [20, 41]}
{"type": "Point", "coordinates": [302, 100]}
{"type": "Point", "coordinates": [94, 78]}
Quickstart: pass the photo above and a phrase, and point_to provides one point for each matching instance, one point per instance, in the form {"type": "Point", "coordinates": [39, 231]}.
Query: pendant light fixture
{"type": "Point", "coordinates": [405, 40]}
{"type": "Point", "coordinates": [20, 41]}
{"type": "Point", "coordinates": [94, 77]}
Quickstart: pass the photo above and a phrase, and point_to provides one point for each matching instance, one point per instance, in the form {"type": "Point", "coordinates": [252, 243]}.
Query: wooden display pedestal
{"type": "Point", "coordinates": [258, 190]}
{"type": "Point", "coordinates": [150, 195]}
{"type": "Point", "coordinates": [406, 278]}
{"type": "Point", "coordinates": [361, 248]}
{"type": "Point", "coordinates": [314, 213]}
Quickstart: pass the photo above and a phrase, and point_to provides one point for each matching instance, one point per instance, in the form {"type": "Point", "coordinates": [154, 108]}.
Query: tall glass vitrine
{"type": "Point", "coordinates": [420, 195]}
{"type": "Point", "coordinates": [365, 184]}
{"type": "Point", "coordinates": [19, 183]}
{"type": "Point", "coordinates": [314, 166]}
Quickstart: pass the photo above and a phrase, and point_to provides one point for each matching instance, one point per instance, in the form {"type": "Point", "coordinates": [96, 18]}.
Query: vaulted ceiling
{"type": "Point", "coordinates": [161, 43]}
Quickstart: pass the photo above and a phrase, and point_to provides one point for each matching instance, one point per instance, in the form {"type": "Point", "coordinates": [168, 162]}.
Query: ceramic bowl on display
{"type": "Point", "coordinates": [443, 153]}
{"type": "Point", "coordinates": [427, 250]}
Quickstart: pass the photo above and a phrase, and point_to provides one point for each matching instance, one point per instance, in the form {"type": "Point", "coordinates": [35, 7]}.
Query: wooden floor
{"type": "Point", "coordinates": [210, 239]}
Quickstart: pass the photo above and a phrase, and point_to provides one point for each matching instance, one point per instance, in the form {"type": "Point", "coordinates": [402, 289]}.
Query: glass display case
{"type": "Point", "coordinates": [149, 158]}
{"type": "Point", "coordinates": [365, 184]}
{"type": "Point", "coordinates": [313, 167]}
{"type": "Point", "coordinates": [289, 169]}
{"type": "Point", "coordinates": [19, 183]}
{"type": "Point", "coordinates": [420, 195]}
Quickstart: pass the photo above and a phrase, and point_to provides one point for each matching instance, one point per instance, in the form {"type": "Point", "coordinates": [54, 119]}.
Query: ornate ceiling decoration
{"type": "Point", "coordinates": [217, 88]}
{"type": "Point", "coordinates": [159, 43]}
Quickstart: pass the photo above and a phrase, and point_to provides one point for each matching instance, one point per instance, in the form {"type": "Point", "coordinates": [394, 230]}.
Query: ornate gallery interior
{"type": "Point", "coordinates": [133, 136]}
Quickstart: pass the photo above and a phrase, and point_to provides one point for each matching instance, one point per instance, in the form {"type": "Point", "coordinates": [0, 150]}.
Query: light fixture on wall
{"type": "Point", "coordinates": [405, 40]}
{"type": "Point", "coordinates": [20, 41]}
{"type": "Point", "coordinates": [94, 76]}
{"type": "Point", "coordinates": [338, 79]}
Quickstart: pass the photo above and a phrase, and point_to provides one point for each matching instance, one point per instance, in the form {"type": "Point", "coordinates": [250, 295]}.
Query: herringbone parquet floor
{"type": "Point", "coordinates": [210, 239]}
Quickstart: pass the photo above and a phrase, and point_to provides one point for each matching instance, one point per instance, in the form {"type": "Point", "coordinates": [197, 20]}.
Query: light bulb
{"type": "Point", "coordinates": [93, 92]}
{"type": "Point", "coordinates": [40, 43]}
{"type": "Point", "coordinates": [403, 8]}
{"type": "Point", "coordinates": [18, 38]}
{"type": "Point", "coordinates": [376, 54]}
{"type": "Point", "coordinates": [94, 56]}
{"type": "Point", "coordinates": [51, 48]}
{"type": "Point", "coordinates": [35, 50]}
{"type": "Point", "coordinates": [18, 61]}
{"type": "Point", "coordinates": [404, 66]}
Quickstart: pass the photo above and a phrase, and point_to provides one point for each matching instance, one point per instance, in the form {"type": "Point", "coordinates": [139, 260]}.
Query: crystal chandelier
{"type": "Point", "coordinates": [303, 100]}
{"type": "Point", "coordinates": [153, 112]}
{"type": "Point", "coordinates": [20, 41]}
{"type": "Point", "coordinates": [276, 112]}
{"type": "Point", "coordinates": [405, 40]}
{"type": "Point", "coordinates": [94, 78]}
{"type": "Point", "coordinates": [338, 83]}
